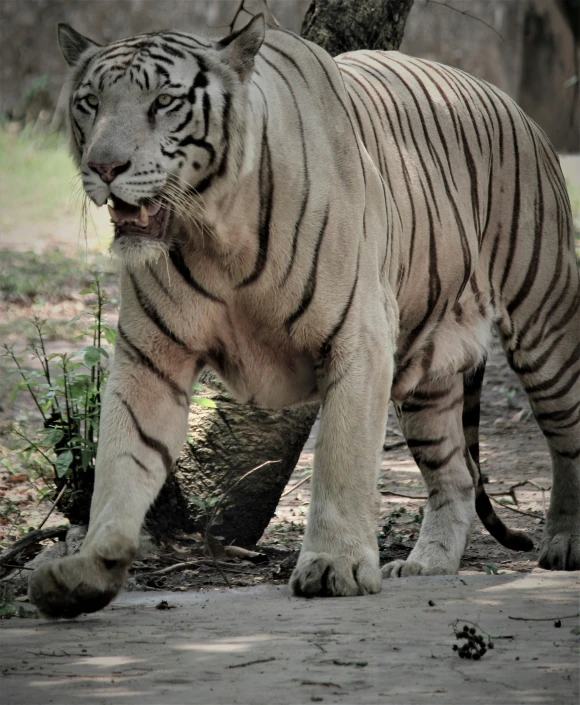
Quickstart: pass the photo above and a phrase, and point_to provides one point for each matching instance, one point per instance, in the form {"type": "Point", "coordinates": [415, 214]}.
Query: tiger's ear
{"type": "Point", "coordinates": [72, 44]}
{"type": "Point", "coordinates": [239, 48]}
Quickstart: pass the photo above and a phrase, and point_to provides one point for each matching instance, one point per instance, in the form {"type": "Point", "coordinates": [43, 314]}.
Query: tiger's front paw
{"type": "Point", "coordinates": [326, 575]}
{"type": "Point", "coordinates": [70, 586]}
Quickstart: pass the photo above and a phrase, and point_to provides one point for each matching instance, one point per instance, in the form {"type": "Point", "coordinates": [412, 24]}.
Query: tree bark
{"type": "Point", "coordinates": [226, 443]}
{"type": "Point", "coordinates": [347, 25]}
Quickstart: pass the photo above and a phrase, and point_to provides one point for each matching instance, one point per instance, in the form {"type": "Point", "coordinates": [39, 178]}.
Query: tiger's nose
{"type": "Point", "coordinates": [109, 172]}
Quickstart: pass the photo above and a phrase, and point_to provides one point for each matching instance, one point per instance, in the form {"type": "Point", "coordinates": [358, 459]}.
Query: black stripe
{"type": "Point", "coordinates": [425, 442]}
{"type": "Point", "coordinates": [326, 345]}
{"type": "Point", "coordinates": [559, 415]}
{"type": "Point", "coordinates": [149, 441]}
{"type": "Point", "coordinates": [310, 287]}
{"type": "Point", "coordinates": [537, 365]}
{"type": "Point", "coordinates": [266, 184]}
{"type": "Point", "coordinates": [179, 263]}
{"type": "Point", "coordinates": [436, 464]}
{"type": "Point", "coordinates": [514, 229]}
{"type": "Point", "coordinates": [179, 395]}
{"type": "Point", "coordinates": [225, 134]}
{"type": "Point", "coordinates": [305, 173]}
{"type": "Point", "coordinates": [150, 310]}
{"type": "Point", "coordinates": [209, 148]}
{"type": "Point", "coordinates": [139, 464]}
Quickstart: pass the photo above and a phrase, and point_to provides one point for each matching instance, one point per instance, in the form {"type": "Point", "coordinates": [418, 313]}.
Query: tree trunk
{"type": "Point", "coordinates": [226, 443]}
{"type": "Point", "coordinates": [347, 25]}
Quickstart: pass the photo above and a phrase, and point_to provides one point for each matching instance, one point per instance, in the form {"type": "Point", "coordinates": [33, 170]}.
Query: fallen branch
{"type": "Point", "coordinates": [32, 537]}
{"type": "Point", "coordinates": [515, 509]}
{"type": "Point", "coordinates": [251, 663]}
{"type": "Point", "coordinates": [543, 619]}
{"type": "Point", "coordinates": [220, 565]}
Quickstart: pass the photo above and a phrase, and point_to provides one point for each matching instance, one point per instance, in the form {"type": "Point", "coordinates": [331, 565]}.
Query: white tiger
{"type": "Point", "coordinates": [345, 230]}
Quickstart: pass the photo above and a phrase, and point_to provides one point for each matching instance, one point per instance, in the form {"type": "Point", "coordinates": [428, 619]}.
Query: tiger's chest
{"type": "Point", "coordinates": [258, 362]}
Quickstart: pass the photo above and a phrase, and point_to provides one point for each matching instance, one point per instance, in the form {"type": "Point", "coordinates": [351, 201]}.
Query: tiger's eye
{"type": "Point", "coordinates": [92, 100]}
{"type": "Point", "coordinates": [164, 100]}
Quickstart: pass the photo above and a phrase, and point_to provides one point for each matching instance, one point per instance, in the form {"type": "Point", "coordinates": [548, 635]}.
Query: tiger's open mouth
{"type": "Point", "coordinates": [149, 220]}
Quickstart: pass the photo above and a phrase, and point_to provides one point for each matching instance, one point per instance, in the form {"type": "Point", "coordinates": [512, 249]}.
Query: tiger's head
{"type": "Point", "coordinates": [155, 121]}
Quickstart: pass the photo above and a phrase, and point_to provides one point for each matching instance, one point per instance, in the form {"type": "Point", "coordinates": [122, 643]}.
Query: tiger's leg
{"type": "Point", "coordinates": [431, 421]}
{"type": "Point", "coordinates": [143, 426]}
{"type": "Point", "coordinates": [547, 361]}
{"type": "Point", "coordinates": [339, 554]}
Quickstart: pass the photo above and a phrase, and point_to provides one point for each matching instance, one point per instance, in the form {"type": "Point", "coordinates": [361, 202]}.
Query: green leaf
{"type": "Point", "coordinates": [88, 290]}
{"type": "Point", "coordinates": [92, 355]}
{"type": "Point", "coordinates": [63, 462]}
{"type": "Point", "coordinates": [575, 630]}
{"type": "Point", "coordinates": [203, 401]}
{"type": "Point", "coordinates": [196, 501]}
{"type": "Point", "coordinates": [110, 335]}
{"type": "Point", "coordinates": [54, 435]}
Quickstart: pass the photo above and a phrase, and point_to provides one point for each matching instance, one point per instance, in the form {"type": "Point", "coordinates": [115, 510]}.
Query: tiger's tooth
{"type": "Point", "coordinates": [143, 217]}
{"type": "Point", "coordinates": [113, 214]}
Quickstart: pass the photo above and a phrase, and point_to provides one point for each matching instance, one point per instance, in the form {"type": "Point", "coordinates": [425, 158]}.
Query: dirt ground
{"type": "Point", "coordinates": [261, 646]}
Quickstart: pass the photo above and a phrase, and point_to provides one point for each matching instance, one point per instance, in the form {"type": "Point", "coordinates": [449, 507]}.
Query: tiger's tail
{"type": "Point", "coordinates": [510, 538]}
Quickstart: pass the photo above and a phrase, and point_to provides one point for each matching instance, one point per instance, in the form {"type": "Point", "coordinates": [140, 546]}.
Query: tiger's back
{"type": "Point", "coordinates": [484, 214]}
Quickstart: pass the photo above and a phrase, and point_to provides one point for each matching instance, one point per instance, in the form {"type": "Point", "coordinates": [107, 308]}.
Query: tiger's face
{"type": "Point", "coordinates": [154, 123]}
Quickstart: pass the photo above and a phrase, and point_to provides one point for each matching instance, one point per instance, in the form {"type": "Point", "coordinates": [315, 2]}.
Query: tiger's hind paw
{"type": "Point", "coordinates": [560, 552]}
{"type": "Point", "coordinates": [405, 569]}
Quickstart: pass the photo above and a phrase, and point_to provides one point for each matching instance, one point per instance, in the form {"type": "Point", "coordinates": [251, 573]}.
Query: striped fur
{"type": "Point", "coordinates": [346, 230]}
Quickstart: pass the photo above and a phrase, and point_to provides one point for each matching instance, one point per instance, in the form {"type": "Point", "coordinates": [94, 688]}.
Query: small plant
{"type": "Point", "coordinates": [392, 527]}
{"type": "Point", "coordinates": [8, 608]}
{"type": "Point", "coordinates": [491, 569]}
{"type": "Point", "coordinates": [67, 392]}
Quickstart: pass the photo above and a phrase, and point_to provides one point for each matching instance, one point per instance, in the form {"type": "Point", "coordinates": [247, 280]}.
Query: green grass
{"type": "Point", "coordinates": [36, 179]}
{"type": "Point", "coordinates": [26, 277]}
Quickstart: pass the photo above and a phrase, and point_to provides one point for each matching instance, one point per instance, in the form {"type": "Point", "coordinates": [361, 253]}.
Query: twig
{"type": "Point", "coordinates": [514, 509]}
{"type": "Point", "coordinates": [172, 569]}
{"type": "Point", "coordinates": [326, 684]}
{"type": "Point", "coordinates": [296, 486]}
{"type": "Point", "coordinates": [543, 619]}
{"type": "Point", "coordinates": [455, 622]}
{"type": "Point", "coordinates": [32, 537]}
{"type": "Point", "coordinates": [467, 14]}
{"type": "Point", "coordinates": [251, 663]}
{"type": "Point", "coordinates": [56, 501]}
{"type": "Point", "coordinates": [533, 484]}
